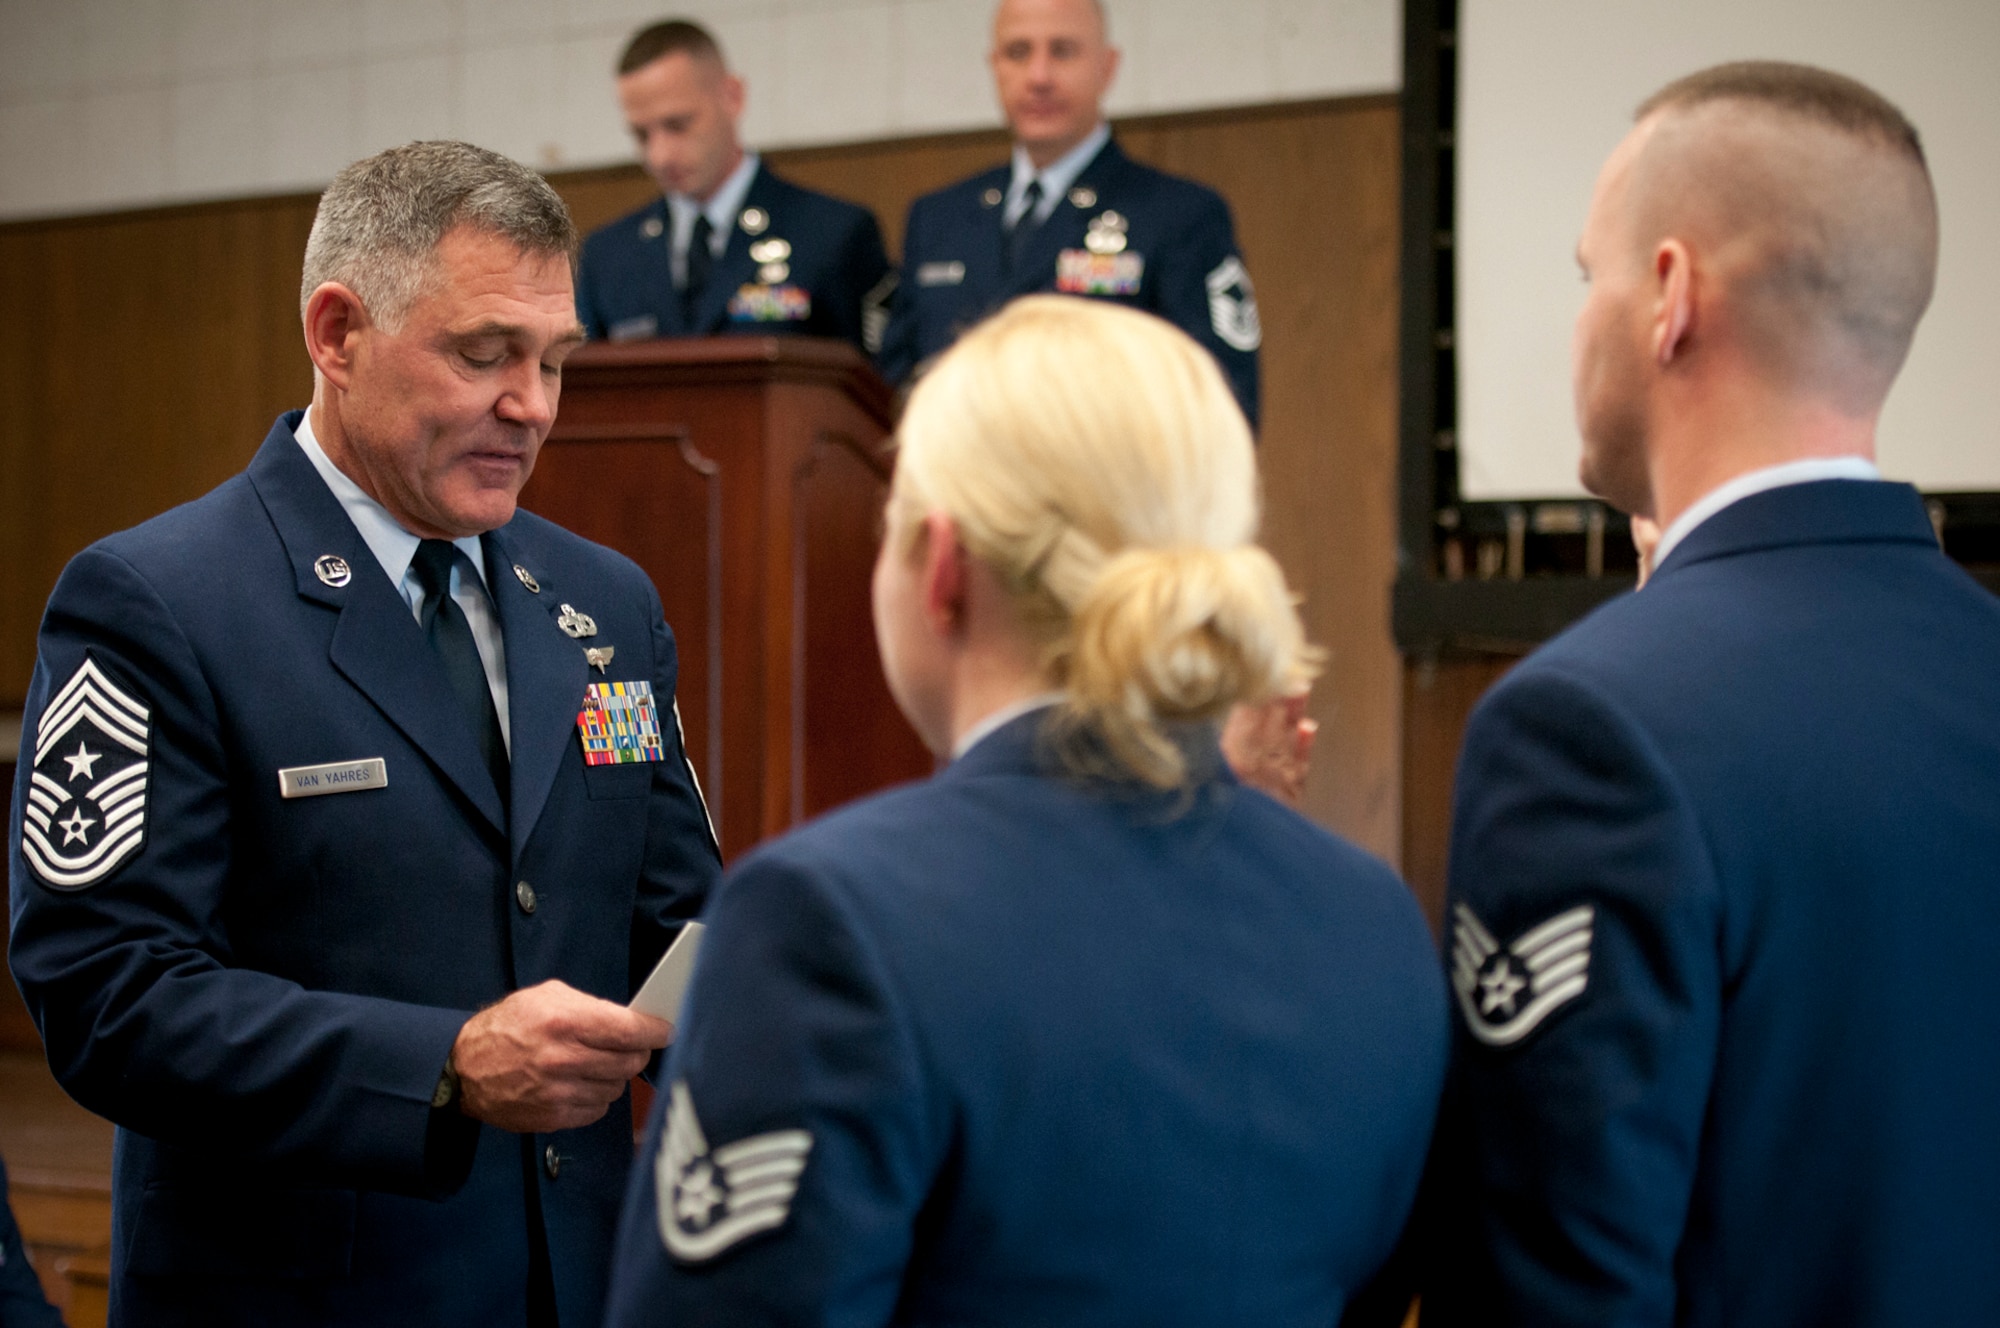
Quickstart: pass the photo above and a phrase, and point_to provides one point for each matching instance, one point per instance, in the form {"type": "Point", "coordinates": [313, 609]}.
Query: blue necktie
{"type": "Point", "coordinates": [700, 262]}
{"type": "Point", "coordinates": [450, 635]}
{"type": "Point", "coordinates": [1025, 225]}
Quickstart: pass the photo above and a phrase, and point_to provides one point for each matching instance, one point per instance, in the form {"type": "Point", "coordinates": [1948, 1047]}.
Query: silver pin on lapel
{"type": "Point", "coordinates": [332, 569]}
{"type": "Point", "coordinates": [576, 625]}
{"type": "Point", "coordinates": [527, 579]}
{"type": "Point", "coordinates": [600, 656]}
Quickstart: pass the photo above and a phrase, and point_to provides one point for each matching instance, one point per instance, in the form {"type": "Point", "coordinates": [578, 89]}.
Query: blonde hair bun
{"type": "Point", "coordinates": [1094, 459]}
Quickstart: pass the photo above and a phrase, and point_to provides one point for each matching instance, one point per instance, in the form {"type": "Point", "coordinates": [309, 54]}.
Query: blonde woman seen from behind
{"type": "Point", "coordinates": [1081, 1030]}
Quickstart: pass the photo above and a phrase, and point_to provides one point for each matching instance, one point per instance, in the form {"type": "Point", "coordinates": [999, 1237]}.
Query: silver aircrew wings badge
{"type": "Point", "coordinates": [85, 812]}
{"type": "Point", "coordinates": [708, 1201]}
{"type": "Point", "coordinates": [1505, 993]}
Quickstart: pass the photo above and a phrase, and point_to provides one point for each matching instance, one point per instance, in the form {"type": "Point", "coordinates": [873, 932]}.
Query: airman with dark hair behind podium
{"type": "Point", "coordinates": [729, 247]}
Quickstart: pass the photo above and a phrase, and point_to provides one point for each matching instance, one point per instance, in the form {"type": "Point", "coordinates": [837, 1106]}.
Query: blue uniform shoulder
{"type": "Point", "coordinates": [831, 211]}
{"type": "Point", "coordinates": [1164, 187]}
{"type": "Point", "coordinates": [627, 231]}
{"type": "Point", "coordinates": [968, 191]}
{"type": "Point", "coordinates": [566, 551]}
{"type": "Point", "coordinates": [195, 534]}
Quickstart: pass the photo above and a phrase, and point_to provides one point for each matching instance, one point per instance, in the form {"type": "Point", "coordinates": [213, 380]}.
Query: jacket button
{"type": "Point", "coordinates": [524, 895]}
{"type": "Point", "coordinates": [551, 1161]}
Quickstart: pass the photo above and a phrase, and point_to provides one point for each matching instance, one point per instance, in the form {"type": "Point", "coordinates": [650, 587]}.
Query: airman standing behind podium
{"type": "Point", "coordinates": [729, 247]}
{"type": "Point", "coordinates": [1071, 213]}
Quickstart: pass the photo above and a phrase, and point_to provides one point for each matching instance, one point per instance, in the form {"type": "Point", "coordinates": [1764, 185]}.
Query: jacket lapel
{"type": "Point", "coordinates": [734, 268]}
{"type": "Point", "coordinates": [660, 273]}
{"type": "Point", "coordinates": [546, 677]}
{"type": "Point", "coordinates": [377, 644]}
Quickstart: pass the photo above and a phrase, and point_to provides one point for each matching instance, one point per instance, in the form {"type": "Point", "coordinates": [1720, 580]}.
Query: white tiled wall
{"type": "Point", "coordinates": [123, 103]}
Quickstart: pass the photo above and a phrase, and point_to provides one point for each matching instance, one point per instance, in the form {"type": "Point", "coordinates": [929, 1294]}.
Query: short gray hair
{"type": "Point", "coordinates": [381, 220]}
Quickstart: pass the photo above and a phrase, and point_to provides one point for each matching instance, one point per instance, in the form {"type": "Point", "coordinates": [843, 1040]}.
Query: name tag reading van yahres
{"type": "Point", "coordinates": [310, 781]}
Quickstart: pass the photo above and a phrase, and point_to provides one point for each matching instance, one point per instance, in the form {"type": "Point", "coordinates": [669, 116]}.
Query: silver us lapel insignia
{"type": "Point", "coordinates": [619, 724]}
{"type": "Point", "coordinates": [576, 625]}
{"type": "Point", "coordinates": [85, 811]}
{"type": "Point", "coordinates": [708, 1201]}
{"type": "Point", "coordinates": [1505, 993]}
{"type": "Point", "coordinates": [332, 570]}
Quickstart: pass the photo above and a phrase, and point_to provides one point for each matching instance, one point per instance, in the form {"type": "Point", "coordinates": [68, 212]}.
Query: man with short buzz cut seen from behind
{"type": "Point", "coordinates": [1722, 908]}
{"type": "Point", "coordinates": [729, 246]}
{"type": "Point", "coordinates": [1070, 213]}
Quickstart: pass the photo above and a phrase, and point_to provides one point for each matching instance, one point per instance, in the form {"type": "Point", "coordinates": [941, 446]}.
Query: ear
{"type": "Point", "coordinates": [1673, 315]}
{"type": "Point", "coordinates": [733, 97]}
{"type": "Point", "coordinates": [335, 319]}
{"type": "Point", "coordinates": [944, 576]}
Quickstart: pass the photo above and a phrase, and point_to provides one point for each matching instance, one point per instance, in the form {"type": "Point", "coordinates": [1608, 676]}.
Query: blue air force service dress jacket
{"type": "Point", "coordinates": [797, 262]}
{"type": "Point", "coordinates": [1122, 232]}
{"type": "Point", "coordinates": [262, 876]}
{"type": "Point", "coordinates": [1722, 919]}
{"type": "Point", "coordinates": [1006, 1048]}
{"type": "Point", "coordinates": [22, 1304]}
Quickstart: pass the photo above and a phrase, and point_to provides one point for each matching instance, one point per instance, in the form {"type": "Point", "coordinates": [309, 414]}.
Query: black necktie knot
{"type": "Point", "coordinates": [432, 564]}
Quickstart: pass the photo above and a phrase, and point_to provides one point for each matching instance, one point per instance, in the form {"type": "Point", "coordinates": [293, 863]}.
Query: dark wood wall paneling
{"type": "Point", "coordinates": [143, 356]}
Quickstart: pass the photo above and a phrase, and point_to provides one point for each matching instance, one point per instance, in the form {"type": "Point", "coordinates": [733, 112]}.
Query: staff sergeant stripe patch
{"type": "Point", "coordinates": [1505, 994]}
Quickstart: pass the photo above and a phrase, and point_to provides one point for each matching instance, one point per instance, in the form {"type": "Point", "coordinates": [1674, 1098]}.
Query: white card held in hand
{"type": "Point", "coordinates": [661, 994]}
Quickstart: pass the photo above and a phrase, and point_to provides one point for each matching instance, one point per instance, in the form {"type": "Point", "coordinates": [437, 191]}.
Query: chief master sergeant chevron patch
{"type": "Point", "coordinates": [85, 812]}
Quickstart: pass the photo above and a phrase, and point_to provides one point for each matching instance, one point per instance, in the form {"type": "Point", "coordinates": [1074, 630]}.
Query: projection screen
{"type": "Point", "coordinates": [1547, 88]}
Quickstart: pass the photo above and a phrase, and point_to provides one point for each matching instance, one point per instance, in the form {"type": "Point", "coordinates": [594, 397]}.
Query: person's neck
{"type": "Point", "coordinates": [1708, 438]}
{"type": "Point", "coordinates": [735, 160]}
{"type": "Point", "coordinates": [987, 685]}
{"type": "Point", "coordinates": [1046, 154]}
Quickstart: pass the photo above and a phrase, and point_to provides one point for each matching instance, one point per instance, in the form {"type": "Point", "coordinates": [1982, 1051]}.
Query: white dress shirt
{"type": "Point", "coordinates": [1056, 177]}
{"type": "Point", "coordinates": [395, 549]}
{"type": "Point", "coordinates": [1757, 481]}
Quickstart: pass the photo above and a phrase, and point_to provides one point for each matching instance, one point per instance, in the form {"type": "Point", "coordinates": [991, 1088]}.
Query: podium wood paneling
{"type": "Point", "coordinates": [746, 476]}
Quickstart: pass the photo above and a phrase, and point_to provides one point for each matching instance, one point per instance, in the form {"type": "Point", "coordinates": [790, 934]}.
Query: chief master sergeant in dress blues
{"type": "Point", "coordinates": [1725, 865]}
{"type": "Point", "coordinates": [1071, 213]}
{"type": "Point", "coordinates": [319, 890]}
{"type": "Point", "coordinates": [730, 248]}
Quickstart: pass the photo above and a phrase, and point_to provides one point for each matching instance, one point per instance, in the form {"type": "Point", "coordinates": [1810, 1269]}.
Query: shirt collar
{"type": "Point", "coordinates": [1757, 481]}
{"type": "Point", "coordinates": [1058, 175]}
{"type": "Point", "coordinates": [394, 548]}
{"type": "Point", "coordinates": [721, 209]}
{"type": "Point", "coordinates": [1000, 718]}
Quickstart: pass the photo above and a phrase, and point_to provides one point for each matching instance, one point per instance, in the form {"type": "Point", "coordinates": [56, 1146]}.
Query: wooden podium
{"type": "Point", "coordinates": [746, 475]}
